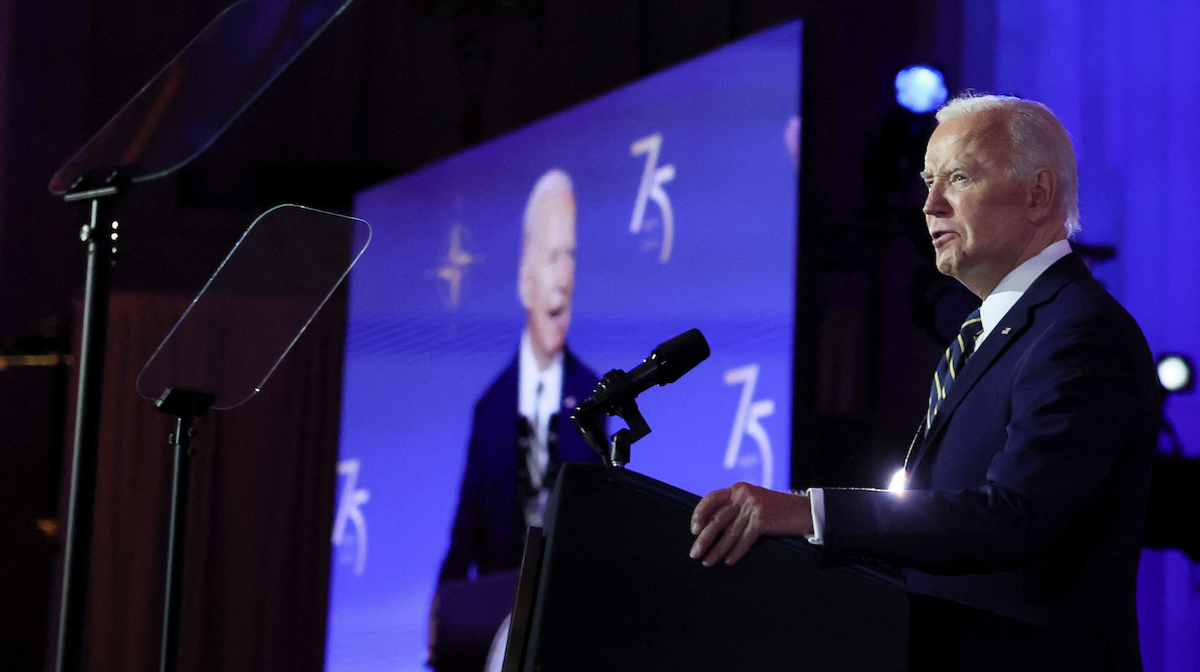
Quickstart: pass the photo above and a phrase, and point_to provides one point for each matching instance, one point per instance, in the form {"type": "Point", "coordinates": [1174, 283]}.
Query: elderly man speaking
{"type": "Point", "coordinates": [1019, 527]}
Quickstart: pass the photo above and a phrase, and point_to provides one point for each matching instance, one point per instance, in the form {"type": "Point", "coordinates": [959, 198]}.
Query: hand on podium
{"type": "Point", "coordinates": [728, 521]}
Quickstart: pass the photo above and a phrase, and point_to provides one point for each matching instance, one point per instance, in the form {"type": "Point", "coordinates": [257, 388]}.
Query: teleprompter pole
{"type": "Point", "coordinates": [99, 235]}
{"type": "Point", "coordinates": [186, 406]}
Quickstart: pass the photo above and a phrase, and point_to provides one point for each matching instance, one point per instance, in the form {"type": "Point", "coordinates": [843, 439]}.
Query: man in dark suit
{"type": "Point", "coordinates": [1019, 526]}
{"type": "Point", "coordinates": [521, 431]}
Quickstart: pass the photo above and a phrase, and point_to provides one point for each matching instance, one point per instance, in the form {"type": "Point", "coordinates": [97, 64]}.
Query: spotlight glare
{"type": "Point", "coordinates": [920, 88]}
{"type": "Point", "coordinates": [899, 480]}
{"type": "Point", "coordinates": [1175, 373]}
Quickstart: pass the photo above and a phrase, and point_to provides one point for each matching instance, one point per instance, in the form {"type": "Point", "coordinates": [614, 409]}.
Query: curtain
{"type": "Point", "coordinates": [261, 508]}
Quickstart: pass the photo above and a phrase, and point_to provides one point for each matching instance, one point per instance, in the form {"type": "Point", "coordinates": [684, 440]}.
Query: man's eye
{"type": "Point", "coordinates": [958, 178]}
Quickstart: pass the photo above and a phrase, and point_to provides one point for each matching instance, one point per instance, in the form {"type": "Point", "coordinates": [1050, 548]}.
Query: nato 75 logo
{"type": "Point", "coordinates": [654, 177]}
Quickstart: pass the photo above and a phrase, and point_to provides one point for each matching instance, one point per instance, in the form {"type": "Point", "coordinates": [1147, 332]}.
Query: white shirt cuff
{"type": "Point", "coordinates": [816, 501]}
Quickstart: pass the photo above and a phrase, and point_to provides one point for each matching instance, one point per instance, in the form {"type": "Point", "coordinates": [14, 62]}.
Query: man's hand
{"type": "Point", "coordinates": [727, 522]}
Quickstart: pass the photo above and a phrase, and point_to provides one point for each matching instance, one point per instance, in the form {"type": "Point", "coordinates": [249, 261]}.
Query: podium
{"type": "Point", "coordinates": [609, 585]}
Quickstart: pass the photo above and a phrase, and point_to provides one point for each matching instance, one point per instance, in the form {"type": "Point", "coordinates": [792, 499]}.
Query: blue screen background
{"type": "Point", "coordinates": [434, 314]}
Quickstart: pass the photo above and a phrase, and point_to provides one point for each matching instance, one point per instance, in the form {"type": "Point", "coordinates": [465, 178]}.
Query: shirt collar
{"type": "Point", "coordinates": [529, 377]}
{"type": "Point", "coordinates": [1013, 286]}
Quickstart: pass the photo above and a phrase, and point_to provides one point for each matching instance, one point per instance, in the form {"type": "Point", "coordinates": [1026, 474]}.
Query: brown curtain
{"type": "Point", "coordinates": [261, 508]}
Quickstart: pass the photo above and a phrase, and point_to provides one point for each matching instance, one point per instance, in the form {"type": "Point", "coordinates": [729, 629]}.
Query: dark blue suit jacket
{"type": "Point", "coordinates": [489, 529]}
{"type": "Point", "coordinates": [1026, 499]}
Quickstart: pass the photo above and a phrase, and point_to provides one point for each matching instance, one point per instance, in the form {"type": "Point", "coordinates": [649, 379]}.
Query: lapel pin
{"type": "Point", "coordinates": [1005, 331]}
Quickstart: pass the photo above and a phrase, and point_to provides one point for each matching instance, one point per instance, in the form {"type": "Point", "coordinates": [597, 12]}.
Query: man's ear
{"type": "Point", "coordinates": [523, 282]}
{"type": "Point", "coordinates": [1043, 195]}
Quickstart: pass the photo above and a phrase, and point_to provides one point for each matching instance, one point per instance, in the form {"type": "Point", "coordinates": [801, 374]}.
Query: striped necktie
{"type": "Point", "coordinates": [954, 361]}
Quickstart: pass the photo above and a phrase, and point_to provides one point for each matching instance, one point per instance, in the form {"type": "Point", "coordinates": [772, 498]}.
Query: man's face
{"type": "Point", "coordinates": [548, 273]}
{"type": "Point", "coordinates": [976, 209]}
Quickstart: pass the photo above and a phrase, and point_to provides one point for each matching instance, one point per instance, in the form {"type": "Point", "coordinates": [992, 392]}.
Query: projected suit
{"type": "Point", "coordinates": [521, 429]}
{"type": "Point", "coordinates": [489, 527]}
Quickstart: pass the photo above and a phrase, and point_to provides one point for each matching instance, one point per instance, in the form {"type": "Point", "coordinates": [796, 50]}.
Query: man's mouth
{"type": "Point", "coordinates": [557, 311]}
{"type": "Point", "coordinates": [939, 236]}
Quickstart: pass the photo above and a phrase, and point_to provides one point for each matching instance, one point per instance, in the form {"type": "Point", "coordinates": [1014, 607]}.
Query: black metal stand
{"type": "Point", "coordinates": [99, 234]}
{"type": "Point", "coordinates": [142, 148]}
{"type": "Point", "coordinates": [186, 406]}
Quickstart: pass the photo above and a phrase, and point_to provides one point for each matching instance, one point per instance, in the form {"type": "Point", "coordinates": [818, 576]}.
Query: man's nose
{"type": "Point", "coordinates": [936, 204]}
{"type": "Point", "coordinates": [564, 274]}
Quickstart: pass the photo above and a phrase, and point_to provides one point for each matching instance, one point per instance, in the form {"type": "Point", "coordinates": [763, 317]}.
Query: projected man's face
{"type": "Point", "coordinates": [548, 273]}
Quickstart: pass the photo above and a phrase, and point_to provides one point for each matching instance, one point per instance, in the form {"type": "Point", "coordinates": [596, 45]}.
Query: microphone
{"type": "Point", "coordinates": [665, 365]}
{"type": "Point", "coordinates": [616, 393]}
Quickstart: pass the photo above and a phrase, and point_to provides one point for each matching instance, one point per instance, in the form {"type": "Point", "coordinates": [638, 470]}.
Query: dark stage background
{"type": "Point", "coordinates": [394, 85]}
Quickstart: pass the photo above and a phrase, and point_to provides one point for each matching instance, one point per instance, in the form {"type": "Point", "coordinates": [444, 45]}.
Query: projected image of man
{"type": "Point", "coordinates": [521, 431]}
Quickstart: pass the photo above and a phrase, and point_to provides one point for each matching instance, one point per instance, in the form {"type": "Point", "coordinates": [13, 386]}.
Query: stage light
{"type": "Point", "coordinates": [920, 88]}
{"type": "Point", "coordinates": [898, 482]}
{"type": "Point", "coordinates": [1175, 373]}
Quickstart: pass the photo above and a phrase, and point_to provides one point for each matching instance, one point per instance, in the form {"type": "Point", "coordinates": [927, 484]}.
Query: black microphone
{"type": "Point", "coordinates": [666, 364]}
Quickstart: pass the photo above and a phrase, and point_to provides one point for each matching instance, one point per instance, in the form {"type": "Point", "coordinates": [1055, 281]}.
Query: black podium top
{"type": "Point", "coordinates": [617, 591]}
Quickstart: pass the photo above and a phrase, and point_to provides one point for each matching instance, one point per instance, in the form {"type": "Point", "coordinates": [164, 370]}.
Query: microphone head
{"type": "Point", "coordinates": [679, 355]}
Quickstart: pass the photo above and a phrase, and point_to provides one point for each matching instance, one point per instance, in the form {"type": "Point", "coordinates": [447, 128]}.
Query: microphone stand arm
{"type": "Point", "coordinates": [605, 400]}
{"type": "Point", "coordinates": [618, 455]}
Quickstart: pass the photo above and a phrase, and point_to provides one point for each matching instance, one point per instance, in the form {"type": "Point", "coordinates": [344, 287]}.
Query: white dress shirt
{"type": "Point", "coordinates": [539, 395]}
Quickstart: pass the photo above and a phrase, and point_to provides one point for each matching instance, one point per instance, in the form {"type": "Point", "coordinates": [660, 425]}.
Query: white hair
{"type": "Point", "coordinates": [1037, 139]}
{"type": "Point", "coordinates": [552, 181]}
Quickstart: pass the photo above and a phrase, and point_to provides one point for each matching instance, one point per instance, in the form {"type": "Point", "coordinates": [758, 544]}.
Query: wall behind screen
{"type": "Point", "coordinates": [434, 314]}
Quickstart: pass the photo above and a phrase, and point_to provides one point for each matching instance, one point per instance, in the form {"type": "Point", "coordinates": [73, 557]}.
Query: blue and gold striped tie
{"type": "Point", "coordinates": [954, 361]}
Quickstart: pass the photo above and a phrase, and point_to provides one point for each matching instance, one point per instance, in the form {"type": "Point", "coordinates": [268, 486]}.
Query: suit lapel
{"type": "Point", "coordinates": [1006, 332]}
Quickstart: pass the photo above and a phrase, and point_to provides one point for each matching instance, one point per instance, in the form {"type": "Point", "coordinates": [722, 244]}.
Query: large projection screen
{"type": "Point", "coordinates": [685, 187]}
